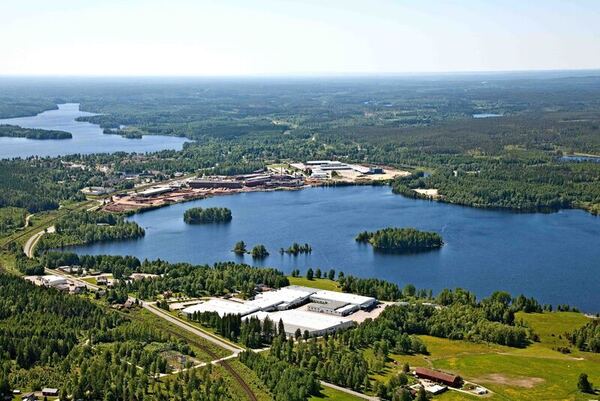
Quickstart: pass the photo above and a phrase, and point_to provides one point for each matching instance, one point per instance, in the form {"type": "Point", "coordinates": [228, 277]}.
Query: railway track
{"type": "Point", "coordinates": [247, 390]}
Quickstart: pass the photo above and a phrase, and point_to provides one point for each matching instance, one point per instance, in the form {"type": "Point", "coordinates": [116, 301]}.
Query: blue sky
{"type": "Point", "coordinates": [268, 37]}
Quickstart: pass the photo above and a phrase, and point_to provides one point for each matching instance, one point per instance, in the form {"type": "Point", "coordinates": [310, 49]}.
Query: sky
{"type": "Point", "coordinates": [280, 37]}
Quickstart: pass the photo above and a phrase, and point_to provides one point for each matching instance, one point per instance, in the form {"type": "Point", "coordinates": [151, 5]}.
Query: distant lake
{"type": "Point", "coordinates": [553, 257]}
{"type": "Point", "coordinates": [87, 137]}
{"type": "Point", "coordinates": [486, 115]}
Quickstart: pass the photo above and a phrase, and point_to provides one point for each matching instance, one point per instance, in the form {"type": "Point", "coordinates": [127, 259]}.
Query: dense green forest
{"type": "Point", "coordinates": [11, 218]}
{"type": "Point", "coordinates": [198, 215]}
{"type": "Point", "coordinates": [40, 184]}
{"type": "Point", "coordinates": [401, 239]}
{"type": "Point", "coordinates": [51, 339]}
{"type": "Point", "coordinates": [88, 227]}
{"type": "Point", "coordinates": [31, 133]}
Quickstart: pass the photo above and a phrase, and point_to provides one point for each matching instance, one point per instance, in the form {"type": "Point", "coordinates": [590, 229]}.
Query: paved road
{"type": "Point", "coordinates": [29, 246]}
{"type": "Point", "coordinates": [351, 392]}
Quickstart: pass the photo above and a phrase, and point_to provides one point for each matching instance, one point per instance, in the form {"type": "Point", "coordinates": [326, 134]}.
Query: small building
{"type": "Point", "coordinates": [50, 392]}
{"type": "Point", "coordinates": [52, 281]}
{"type": "Point", "coordinates": [438, 377]}
{"type": "Point", "coordinates": [434, 389]}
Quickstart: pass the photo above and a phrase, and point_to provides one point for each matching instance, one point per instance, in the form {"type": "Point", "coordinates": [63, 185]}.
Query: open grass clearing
{"type": "Point", "coordinates": [318, 283]}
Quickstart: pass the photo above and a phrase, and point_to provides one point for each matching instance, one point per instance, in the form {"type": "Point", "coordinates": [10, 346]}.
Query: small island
{"type": "Point", "coordinates": [198, 215]}
{"type": "Point", "coordinates": [13, 131]}
{"type": "Point", "coordinates": [401, 240]}
{"type": "Point", "coordinates": [297, 249]}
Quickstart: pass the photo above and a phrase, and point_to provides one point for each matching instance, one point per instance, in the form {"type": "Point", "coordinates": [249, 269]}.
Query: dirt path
{"type": "Point", "coordinates": [351, 392]}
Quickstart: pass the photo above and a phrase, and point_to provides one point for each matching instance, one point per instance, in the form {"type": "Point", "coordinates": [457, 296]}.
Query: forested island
{"type": "Point", "coordinates": [198, 215]}
{"type": "Point", "coordinates": [401, 239]}
{"type": "Point", "coordinates": [296, 249]}
{"type": "Point", "coordinates": [13, 131]}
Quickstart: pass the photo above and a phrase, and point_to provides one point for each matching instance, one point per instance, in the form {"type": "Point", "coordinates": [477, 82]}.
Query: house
{"type": "Point", "coordinates": [50, 392]}
{"type": "Point", "coordinates": [438, 377]}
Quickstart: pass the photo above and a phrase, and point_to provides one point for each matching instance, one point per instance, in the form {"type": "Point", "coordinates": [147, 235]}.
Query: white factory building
{"type": "Point", "coordinates": [317, 324]}
{"type": "Point", "coordinates": [325, 311]}
{"type": "Point", "coordinates": [283, 298]}
{"type": "Point", "coordinates": [222, 307]}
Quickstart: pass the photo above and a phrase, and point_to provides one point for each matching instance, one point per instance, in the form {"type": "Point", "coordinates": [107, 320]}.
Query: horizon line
{"type": "Point", "coordinates": [311, 74]}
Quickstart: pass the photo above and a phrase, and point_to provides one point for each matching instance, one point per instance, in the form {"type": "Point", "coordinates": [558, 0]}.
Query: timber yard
{"type": "Point", "coordinates": [292, 176]}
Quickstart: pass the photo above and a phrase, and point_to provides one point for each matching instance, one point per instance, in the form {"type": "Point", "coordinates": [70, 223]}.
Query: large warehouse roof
{"type": "Point", "coordinates": [359, 300]}
{"type": "Point", "coordinates": [222, 307]}
{"type": "Point", "coordinates": [299, 319]}
{"type": "Point", "coordinates": [282, 297]}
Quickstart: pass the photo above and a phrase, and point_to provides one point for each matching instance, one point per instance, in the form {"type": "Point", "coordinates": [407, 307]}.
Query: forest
{"type": "Point", "coordinates": [14, 131]}
{"type": "Point", "coordinates": [52, 339]}
{"type": "Point", "coordinates": [401, 239]}
{"type": "Point", "coordinates": [86, 227]}
{"type": "Point", "coordinates": [198, 215]}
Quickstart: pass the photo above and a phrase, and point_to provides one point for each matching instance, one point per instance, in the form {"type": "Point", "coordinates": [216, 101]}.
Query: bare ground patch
{"type": "Point", "coordinates": [515, 381]}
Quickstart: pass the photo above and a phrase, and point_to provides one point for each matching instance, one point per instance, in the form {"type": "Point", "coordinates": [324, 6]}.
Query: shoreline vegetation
{"type": "Point", "coordinates": [401, 240]}
{"type": "Point", "coordinates": [13, 131]}
{"type": "Point", "coordinates": [198, 215]}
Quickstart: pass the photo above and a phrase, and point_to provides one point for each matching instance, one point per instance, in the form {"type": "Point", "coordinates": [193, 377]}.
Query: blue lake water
{"type": "Point", "coordinates": [553, 257]}
{"type": "Point", "coordinates": [87, 137]}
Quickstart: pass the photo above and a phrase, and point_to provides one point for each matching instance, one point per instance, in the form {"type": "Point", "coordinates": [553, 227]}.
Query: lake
{"type": "Point", "coordinates": [87, 137]}
{"type": "Point", "coordinates": [553, 257]}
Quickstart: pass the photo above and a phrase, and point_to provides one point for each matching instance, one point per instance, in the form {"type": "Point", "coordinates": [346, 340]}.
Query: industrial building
{"type": "Point", "coordinates": [324, 311]}
{"type": "Point", "coordinates": [282, 299]}
{"type": "Point", "coordinates": [361, 301]}
{"type": "Point", "coordinates": [315, 323]}
{"type": "Point", "coordinates": [154, 191]}
{"type": "Point", "coordinates": [214, 183]}
{"type": "Point", "coordinates": [52, 281]}
{"type": "Point", "coordinates": [332, 307]}
{"type": "Point", "coordinates": [320, 168]}
{"type": "Point", "coordinates": [222, 307]}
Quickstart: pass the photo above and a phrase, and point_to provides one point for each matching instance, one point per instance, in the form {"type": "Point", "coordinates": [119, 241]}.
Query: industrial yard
{"type": "Point", "coordinates": [288, 176]}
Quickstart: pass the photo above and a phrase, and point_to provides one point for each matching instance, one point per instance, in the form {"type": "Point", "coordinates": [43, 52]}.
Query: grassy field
{"type": "Point", "coordinates": [538, 372]}
{"type": "Point", "coordinates": [330, 394]}
{"type": "Point", "coordinates": [319, 283]}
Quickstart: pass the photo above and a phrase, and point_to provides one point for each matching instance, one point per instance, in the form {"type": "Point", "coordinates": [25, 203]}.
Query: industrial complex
{"type": "Point", "coordinates": [297, 307]}
{"type": "Point", "coordinates": [282, 176]}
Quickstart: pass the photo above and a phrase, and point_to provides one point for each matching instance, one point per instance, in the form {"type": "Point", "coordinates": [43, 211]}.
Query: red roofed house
{"type": "Point", "coordinates": [437, 376]}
